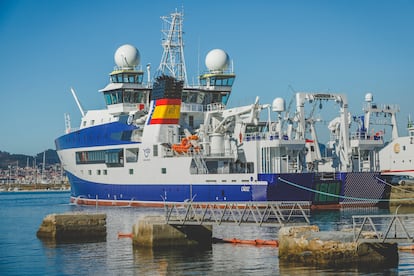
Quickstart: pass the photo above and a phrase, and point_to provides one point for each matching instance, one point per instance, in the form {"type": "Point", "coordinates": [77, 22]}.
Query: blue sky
{"type": "Point", "coordinates": [350, 47]}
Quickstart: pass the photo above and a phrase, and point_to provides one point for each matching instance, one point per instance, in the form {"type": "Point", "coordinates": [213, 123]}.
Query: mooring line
{"type": "Point", "coordinates": [393, 186]}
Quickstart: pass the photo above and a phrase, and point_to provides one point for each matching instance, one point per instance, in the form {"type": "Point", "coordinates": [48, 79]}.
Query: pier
{"type": "Point", "coordinates": [191, 223]}
{"type": "Point", "coordinates": [382, 228]}
{"type": "Point", "coordinates": [267, 213]}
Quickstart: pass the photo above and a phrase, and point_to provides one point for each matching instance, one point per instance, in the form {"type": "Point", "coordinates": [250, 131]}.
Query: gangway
{"type": "Point", "coordinates": [267, 213]}
{"type": "Point", "coordinates": [383, 228]}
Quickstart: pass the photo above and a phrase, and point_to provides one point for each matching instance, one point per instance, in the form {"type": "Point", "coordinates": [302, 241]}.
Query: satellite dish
{"type": "Point", "coordinates": [127, 56]}
{"type": "Point", "coordinates": [217, 60]}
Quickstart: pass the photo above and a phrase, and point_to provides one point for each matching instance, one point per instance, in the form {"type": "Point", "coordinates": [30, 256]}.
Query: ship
{"type": "Point", "coordinates": [165, 141]}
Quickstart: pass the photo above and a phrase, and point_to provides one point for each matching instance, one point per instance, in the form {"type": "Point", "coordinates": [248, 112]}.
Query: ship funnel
{"type": "Point", "coordinates": [165, 101]}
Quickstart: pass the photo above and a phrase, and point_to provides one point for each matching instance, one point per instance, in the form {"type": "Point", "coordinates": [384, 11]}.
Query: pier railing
{"type": "Point", "coordinates": [383, 228]}
{"type": "Point", "coordinates": [268, 213]}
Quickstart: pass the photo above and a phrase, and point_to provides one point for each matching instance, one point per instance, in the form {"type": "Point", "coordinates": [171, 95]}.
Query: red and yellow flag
{"type": "Point", "coordinates": [165, 111]}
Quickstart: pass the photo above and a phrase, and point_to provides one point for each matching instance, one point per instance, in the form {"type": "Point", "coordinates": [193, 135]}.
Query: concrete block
{"type": "Point", "coordinates": [152, 231]}
{"type": "Point", "coordinates": [73, 227]}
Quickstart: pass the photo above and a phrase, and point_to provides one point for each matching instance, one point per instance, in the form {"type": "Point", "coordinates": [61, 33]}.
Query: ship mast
{"type": "Point", "coordinates": [172, 60]}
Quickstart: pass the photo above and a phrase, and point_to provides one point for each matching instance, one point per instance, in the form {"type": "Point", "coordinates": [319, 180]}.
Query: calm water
{"type": "Point", "coordinates": [21, 253]}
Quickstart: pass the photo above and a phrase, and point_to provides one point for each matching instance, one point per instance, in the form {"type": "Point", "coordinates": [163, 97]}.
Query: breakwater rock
{"type": "Point", "coordinates": [306, 245]}
{"type": "Point", "coordinates": [73, 227]}
{"type": "Point", "coordinates": [402, 195]}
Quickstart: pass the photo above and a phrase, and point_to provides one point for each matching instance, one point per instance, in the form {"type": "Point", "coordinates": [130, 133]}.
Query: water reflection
{"type": "Point", "coordinates": [170, 261]}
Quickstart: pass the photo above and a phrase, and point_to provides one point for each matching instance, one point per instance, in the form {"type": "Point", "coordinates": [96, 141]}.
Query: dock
{"type": "Point", "coordinates": [191, 223]}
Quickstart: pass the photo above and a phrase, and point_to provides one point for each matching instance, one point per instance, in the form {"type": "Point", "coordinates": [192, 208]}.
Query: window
{"type": "Point", "coordinates": [131, 155]}
{"type": "Point", "coordinates": [90, 172]}
{"type": "Point", "coordinates": [114, 157]}
{"type": "Point", "coordinates": [155, 150]}
{"type": "Point", "coordinates": [105, 172]}
{"type": "Point", "coordinates": [98, 172]}
{"type": "Point", "coordinates": [191, 121]}
{"type": "Point", "coordinates": [131, 171]}
{"type": "Point", "coordinates": [90, 157]}
{"type": "Point", "coordinates": [163, 170]}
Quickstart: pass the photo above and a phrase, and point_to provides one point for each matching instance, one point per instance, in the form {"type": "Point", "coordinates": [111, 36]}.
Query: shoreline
{"type": "Point", "coordinates": [10, 188]}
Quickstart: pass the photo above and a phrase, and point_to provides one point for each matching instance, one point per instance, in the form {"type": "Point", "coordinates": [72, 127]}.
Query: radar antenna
{"type": "Point", "coordinates": [172, 60]}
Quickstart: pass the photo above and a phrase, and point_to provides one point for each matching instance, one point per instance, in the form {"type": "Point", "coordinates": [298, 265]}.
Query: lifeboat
{"type": "Point", "coordinates": [185, 145]}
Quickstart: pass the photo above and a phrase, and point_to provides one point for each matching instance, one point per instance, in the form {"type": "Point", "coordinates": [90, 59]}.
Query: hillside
{"type": "Point", "coordinates": [22, 160]}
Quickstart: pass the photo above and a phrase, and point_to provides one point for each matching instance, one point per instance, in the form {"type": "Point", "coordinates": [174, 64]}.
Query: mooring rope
{"type": "Point", "coordinates": [395, 187]}
{"type": "Point", "coordinates": [341, 196]}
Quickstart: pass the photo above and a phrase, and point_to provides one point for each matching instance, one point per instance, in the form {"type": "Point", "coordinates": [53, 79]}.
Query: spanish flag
{"type": "Point", "coordinates": [165, 111]}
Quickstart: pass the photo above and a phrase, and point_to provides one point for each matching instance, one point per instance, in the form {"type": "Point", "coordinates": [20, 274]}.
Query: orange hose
{"type": "Point", "coordinates": [125, 235]}
{"type": "Point", "coordinates": [252, 242]}
{"type": "Point", "coordinates": [406, 248]}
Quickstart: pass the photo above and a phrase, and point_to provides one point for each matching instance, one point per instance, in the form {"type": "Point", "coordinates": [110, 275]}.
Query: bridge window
{"type": "Point", "coordinates": [125, 77]}
{"type": "Point", "coordinates": [221, 81]}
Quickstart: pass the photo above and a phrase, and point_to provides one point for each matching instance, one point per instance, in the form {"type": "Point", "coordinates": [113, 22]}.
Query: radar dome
{"type": "Point", "coordinates": [217, 60]}
{"type": "Point", "coordinates": [369, 97]}
{"type": "Point", "coordinates": [278, 105]}
{"type": "Point", "coordinates": [127, 56]}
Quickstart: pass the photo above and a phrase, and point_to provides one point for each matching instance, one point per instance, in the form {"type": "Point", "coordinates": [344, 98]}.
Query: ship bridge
{"type": "Point", "coordinates": [126, 92]}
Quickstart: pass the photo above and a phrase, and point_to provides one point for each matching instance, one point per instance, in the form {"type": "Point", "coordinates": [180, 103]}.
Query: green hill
{"type": "Point", "coordinates": [22, 160]}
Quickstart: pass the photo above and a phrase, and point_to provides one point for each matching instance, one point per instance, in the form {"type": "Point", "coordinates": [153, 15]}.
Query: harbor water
{"type": "Point", "coordinates": [22, 253]}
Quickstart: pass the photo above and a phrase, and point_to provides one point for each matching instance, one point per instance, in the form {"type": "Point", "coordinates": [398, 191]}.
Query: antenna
{"type": "Point", "coordinates": [149, 74]}
{"type": "Point", "coordinates": [172, 60]}
{"type": "Point", "coordinates": [67, 123]}
{"type": "Point", "coordinates": [77, 102]}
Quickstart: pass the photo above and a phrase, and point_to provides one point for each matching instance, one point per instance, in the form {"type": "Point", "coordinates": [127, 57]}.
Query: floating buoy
{"type": "Point", "coordinates": [125, 235]}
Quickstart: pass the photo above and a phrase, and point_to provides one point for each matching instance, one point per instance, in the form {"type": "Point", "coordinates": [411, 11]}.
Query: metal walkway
{"type": "Point", "coordinates": [383, 228]}
{"type": "Point", "coordinates": [267, 213]}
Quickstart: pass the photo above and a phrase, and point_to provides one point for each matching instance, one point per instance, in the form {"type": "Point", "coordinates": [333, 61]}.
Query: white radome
{"type": "Point", "coordinates": [278, 105]}
{"type": "Point", "coordinates": [369, 97]}
{"type": "Point", "coordinates": [217, 59]}
{"type": "Point", "coordinates": [127, 56]}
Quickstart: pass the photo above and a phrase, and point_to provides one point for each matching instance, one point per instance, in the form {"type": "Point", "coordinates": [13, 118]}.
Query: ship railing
{"type": "Point", "coordinates": [387, 108]}
{"type": "Point", "coordinates": [366, 136]}
{"type": "Point", "coordinates": [264, 136]}
{"type": "Point", "coordinates": [195, 107]}
{"type": "Point", "coordinates": [191, 107]}
{"type": "Point", "coordinates": [260, 213]}
{"type": "Point", "coordinates": [215, 106]}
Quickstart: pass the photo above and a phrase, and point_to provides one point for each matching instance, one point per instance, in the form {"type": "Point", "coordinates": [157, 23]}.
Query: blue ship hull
{"type": "Point", "coordinates": [345, 190]}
